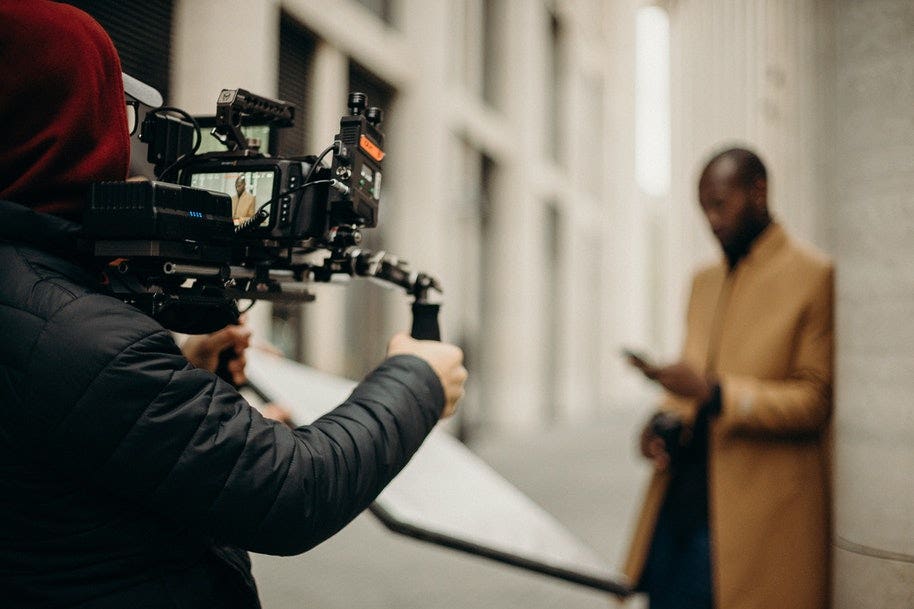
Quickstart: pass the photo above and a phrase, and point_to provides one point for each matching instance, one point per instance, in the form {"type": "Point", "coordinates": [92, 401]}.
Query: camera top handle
{"type": "Point", "coordinates": [237, 105]}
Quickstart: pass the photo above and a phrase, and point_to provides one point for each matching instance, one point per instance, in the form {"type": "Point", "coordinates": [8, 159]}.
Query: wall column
{"type": "Point", "coordinates": [873, 234]}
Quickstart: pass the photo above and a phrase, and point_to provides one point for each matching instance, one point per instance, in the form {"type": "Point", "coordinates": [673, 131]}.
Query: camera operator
{"type": "Point", "coordinates": [130, 478]}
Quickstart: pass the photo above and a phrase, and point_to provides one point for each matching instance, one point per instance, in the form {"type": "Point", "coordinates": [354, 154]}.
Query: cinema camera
{"type": "Point", "coordinates": [186, 247]}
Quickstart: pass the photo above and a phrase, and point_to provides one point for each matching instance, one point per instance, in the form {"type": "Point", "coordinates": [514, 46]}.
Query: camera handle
{"type": "Point", "coordinates": [222, 371]}
{"type": "Point", "coordinates": [349, 259]}
{"type": "Point", "coordinates": [425, 313]}
{"type": "Point", "coordinates": [425, 321]}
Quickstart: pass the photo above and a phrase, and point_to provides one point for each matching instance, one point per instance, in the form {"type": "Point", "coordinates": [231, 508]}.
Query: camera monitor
{"type": "Point", "coordinates": [249, 189]}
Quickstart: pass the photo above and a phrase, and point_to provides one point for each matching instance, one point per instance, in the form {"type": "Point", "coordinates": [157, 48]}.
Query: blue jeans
{"type": "Point", "coordinates": [678, 570]}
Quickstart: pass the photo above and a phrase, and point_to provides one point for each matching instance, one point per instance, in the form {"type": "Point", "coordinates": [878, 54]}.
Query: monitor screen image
{"type": "Point", "coordinates": [249, 190]}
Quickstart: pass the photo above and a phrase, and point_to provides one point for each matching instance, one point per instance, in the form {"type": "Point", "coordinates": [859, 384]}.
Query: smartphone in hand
{"type": "Point", "coordinates": [638, 360]}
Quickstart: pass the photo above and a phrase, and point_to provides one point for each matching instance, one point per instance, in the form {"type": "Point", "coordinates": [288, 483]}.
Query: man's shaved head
{"type": "Point", "coordinates": [733, 192]}
{"type": "Point", "coordinates": [749, 167]}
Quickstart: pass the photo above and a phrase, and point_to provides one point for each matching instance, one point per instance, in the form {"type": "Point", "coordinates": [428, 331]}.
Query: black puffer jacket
{"type": "Point", "coordinates": [128, 478]}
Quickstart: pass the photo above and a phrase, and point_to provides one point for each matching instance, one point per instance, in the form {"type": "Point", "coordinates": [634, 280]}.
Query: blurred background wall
{"type": "Point", "coordinates": [542, 160]}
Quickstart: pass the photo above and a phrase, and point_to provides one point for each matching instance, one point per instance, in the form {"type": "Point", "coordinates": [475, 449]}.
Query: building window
{"type": "Point", "coordinates": [478, 48]}
{"type": "Point", "coordinates": [141, 32]}
{"type": "Point", "coordinates": [296, 57]}
{"type": "Point", "coordinates": [493, 28]}
{"type": "Point", "coordinates": [474, 246]}
{"type": "Point", "coordinates": [552, 310]}
{"type": "Point", "coordinates": [383, 9]}
{"type": "Point", "coordinates": [555, 88]}
{"type": "Point", "coordinates": [379, 92]}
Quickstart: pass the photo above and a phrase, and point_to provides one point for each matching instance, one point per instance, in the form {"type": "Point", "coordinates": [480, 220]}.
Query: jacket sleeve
{"type": "Point", "coordinates": [114, 403]}
{"type": "Point", "coordinates": [800, 403]}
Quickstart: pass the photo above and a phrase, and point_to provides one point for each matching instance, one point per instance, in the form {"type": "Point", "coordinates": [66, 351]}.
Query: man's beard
{"type": "Point", "coordinates": [750, 228]}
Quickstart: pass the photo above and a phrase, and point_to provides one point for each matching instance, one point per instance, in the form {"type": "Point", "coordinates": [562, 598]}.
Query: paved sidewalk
{"type": "Point", "coordinates": [587, 477]}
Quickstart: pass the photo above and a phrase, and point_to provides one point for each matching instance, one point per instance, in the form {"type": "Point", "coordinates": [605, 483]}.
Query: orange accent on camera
{"type": "Point", "coordinates": [371, 148]}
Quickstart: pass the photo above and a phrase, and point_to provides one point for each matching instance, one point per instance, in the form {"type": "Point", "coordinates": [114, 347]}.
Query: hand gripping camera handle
{"type": "Point", "coordinates": [425, 321]}
{"type": "Point", "coordinates": [222, 370]}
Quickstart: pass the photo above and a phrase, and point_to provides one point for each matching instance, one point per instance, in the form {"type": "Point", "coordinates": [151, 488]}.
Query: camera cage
{"type": "Point", "coordinates": [180, 253]}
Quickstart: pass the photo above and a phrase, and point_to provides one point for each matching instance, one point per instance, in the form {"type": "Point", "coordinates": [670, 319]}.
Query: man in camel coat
{"type": "Point", "coordinates": [243, 202]}
{"type": "Point", "coordinates": [737, 513]}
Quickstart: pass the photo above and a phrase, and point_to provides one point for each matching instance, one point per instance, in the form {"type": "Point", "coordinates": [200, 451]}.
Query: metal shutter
{"type": "Point", "coordinates": [296, 56]}
{"type": "Point", "coordinates": [141, 31]}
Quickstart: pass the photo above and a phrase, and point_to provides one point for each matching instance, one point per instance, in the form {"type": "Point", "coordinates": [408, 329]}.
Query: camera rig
{"type": "Point", "coordinates": [184, 250]}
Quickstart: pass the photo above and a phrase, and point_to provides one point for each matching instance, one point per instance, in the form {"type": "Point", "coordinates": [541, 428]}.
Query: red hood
{"type": "Point", "coordinates": [63, 123]}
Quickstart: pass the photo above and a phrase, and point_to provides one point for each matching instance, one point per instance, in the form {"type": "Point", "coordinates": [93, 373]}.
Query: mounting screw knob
{"type": "Point", "coordinates": [357, 102]}
{"type": "Point", "coordinates": [374, 115]}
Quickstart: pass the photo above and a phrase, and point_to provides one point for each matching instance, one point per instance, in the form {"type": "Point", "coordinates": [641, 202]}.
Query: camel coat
{"type": "Point", "coordinates": [765, 329]}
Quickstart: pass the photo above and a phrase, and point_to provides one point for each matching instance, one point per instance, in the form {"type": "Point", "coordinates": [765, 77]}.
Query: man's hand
{"type": "Point", "coordinates": [681, 379]}
{"type": "Point", "coordinates": [277, 412]}
{"type": "Point", "coordinates": [445, 359]}
{"type": "Point", "coordinates": [203, 350]}
{"type": "Point", "coordinates": [654, 448]}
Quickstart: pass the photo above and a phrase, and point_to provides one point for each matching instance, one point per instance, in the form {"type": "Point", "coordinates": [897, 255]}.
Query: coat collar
{"type": "Point", "coordinates": [773, 238]}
